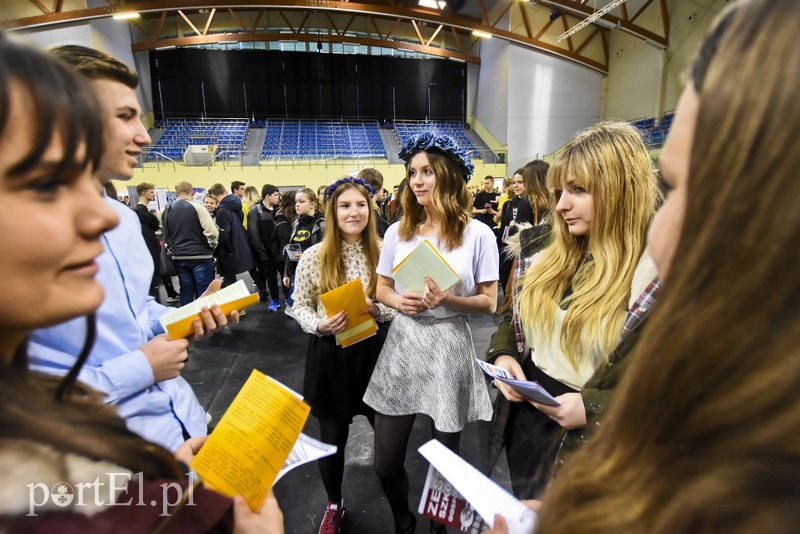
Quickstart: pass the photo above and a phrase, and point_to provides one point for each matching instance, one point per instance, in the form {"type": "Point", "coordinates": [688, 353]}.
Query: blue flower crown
{"type": "Point", "coordinates": [349, 179]}
{"type": "Point", "coordinates": [443, 143]}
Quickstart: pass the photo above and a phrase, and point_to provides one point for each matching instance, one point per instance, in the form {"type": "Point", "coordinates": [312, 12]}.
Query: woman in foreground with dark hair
{"type": "Point", "coordinates": [56, 434]}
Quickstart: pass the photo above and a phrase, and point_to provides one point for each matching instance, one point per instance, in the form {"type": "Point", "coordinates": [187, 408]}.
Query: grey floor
{"type": "Point", "coordinates": [274, 344]}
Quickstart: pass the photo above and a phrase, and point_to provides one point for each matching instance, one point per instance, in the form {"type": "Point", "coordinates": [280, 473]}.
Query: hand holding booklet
{"type": "Point", "coordinates": [484, 496]}
{"type": "Point", "coordinates": [350, 299]}
{"type": "Point", "coordinates": [424, 261]}
{"type": "Point", "coordinates": [178, 323]}
{"type": "Point", "coordinates": [532, 390]}
{"type": "Point", "coordinates": [256, 441]}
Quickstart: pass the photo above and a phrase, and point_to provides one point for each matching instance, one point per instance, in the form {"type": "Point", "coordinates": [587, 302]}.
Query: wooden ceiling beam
{"type": "Point", "coordinates": [189, 22]}
{"type": "Point", "coordinates": [161, 21]}
{"type": "Point", "coordinates": [41, 7]}
{"type": "Point", "coordinates": [375, 25]}
{"type": "Point", "coordinates": [525, 19]}
{"type": "Point", "coordinates": [434, 35]}
{"type": "Point", "coordinates": [502, 13]}
{"type": "Point", "coordinates": [641, 10]}
{"type": "Point", "coordinates": [416, 29]}
{"type": "Point", "coordinates": [394, 27]}
{"type": "Point", "coordinates": [623, 8]}
{"type": "Point", "coordinates": [483, 12]}
{"type": "Point", "coordinates": [586, 41]}
{"type": "Point", "coordinates": [208, 22]}
{"type": "Point", "coordinates": [258, 19]}
{"type": "Point", "coordinates": [456, 21]}
{"type": "Point", "coordinates": [333, 24]}
{"type": "Point", "coordinates": [349, 23]}
{"type": "Point", "coordinates": [141, 28]}
{"type": "Point", "coordinates": [235, 17]}
{"type": "Point", "coordinates": [287, 21]}
{"type": "Point", "coordinates": [566, 28]}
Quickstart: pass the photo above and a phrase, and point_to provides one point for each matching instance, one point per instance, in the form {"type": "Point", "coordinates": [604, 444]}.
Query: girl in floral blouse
{"type": "Point", "coordinates": [336, 377]}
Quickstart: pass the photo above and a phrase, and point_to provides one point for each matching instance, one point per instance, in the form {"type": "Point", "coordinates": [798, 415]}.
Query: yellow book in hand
{"type": "Point", "coordinates": [252, 441]}
{"type": "Point", "coordinates": [424, 261]}
{"type": "Point", "coordinates": [178, 323]}
{"type": "Point", "coordinates": [350, 299]}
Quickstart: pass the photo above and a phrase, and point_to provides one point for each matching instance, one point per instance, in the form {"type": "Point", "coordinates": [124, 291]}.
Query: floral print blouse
{"type": "Point", "coordinates": [308, 309]}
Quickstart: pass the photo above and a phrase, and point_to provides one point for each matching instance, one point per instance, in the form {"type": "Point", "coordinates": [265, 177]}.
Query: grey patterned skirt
{"type": "Point", "coordinates": [428, 366]}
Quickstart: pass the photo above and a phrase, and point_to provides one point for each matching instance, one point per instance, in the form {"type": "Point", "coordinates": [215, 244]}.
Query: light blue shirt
{"type": "Point", "coordinates": [126, 320]}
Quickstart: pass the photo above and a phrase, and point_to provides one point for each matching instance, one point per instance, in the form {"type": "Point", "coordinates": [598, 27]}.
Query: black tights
{"type": "Point", "coordinates": [331, 468]}
{"type": "Point", "coordinates": [391, 441]}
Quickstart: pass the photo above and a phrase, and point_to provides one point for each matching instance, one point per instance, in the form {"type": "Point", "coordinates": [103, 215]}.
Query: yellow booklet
{"type": "Point", "coordinates": [252, 441]}
{"type": "Point", "coordinates": [178, 323]}
{"type": "Point", "coordinates": [424, 261]}
{"type": "Point", "coordinates": [350, 299]}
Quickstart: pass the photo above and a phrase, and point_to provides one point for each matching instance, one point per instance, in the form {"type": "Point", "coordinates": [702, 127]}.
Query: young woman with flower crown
{"type": "Point", "coordinates": [427, 365]}
{"type": "Point", "coordinates": [336, 377]}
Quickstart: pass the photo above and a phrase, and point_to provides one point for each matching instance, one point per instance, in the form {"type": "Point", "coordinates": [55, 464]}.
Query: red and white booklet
{"type": "Point", "coordinates": [459, 495]}
{"type": "Point", "coordinates": [442, 503]}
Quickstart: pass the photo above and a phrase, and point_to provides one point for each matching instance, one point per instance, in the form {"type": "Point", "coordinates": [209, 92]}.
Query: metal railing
{"type": "Point", "coordinates": [155, 159]}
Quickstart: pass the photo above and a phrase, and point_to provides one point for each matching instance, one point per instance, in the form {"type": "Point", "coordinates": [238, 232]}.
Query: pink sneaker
{"type": "Point", "coordinates": [332, 522]}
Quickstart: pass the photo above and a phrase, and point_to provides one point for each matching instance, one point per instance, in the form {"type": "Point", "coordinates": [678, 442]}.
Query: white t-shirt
{"type": "Point", "coordinates": [476, 260]}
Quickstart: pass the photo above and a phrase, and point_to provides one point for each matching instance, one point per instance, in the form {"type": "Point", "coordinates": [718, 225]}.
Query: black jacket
{"type": "Point", "coordinates": [233, 250]}
{"type": "Point", "coordinates": [381, 224]}
{"type": "Point", "coordinates": [149, 228]}
{"type": "Point", "coordinates": [308, 230]}
{"type": "Point", "coordinates": [261, 230]}
{"type": "Point", "coordinates": [283, 232]}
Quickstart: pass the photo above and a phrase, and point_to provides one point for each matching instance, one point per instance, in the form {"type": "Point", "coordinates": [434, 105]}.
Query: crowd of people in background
{"type": "Point", "coordinates": [665, 327]}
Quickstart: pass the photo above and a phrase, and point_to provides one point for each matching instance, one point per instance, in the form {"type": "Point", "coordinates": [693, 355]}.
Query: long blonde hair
{"type": "Point", "coordinates": [703, 434]}
{"type": "Point", "coordinates": [611, 162]}
{"type": "Point", "coordinates": [332, 269]}
{"type": "Point", "coordinates": [450, 201]}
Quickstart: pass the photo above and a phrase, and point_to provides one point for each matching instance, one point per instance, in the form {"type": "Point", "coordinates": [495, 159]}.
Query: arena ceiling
{"type": "Point", "coordinates": [401, 24]}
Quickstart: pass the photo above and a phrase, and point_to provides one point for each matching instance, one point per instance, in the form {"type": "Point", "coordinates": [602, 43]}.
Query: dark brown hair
{"type": "Point", "coordinates": [96, 65]}
{"type": "Point", "coordinates": [534, 176]}
{"type": "Point", "coordinates": [61, 103]}
{"type": "Point", "coordinates": [62, 413]}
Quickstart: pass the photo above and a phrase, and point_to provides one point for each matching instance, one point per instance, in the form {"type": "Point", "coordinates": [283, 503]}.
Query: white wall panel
{"type": "Point", "coordinates": [549, 101]}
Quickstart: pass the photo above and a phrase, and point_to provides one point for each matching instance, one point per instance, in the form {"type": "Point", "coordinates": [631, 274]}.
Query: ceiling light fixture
{"type": "Point", "coordinates": [482, 35]}
{"type": "Point", "coordinates": [433, 4]}
{"type": "Point", "coordinates": [126, 16]}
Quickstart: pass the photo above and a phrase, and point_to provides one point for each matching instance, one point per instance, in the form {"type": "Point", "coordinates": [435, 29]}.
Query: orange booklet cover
{"type": "Point", "coordinates": [350, 299]}
{"type": "Point", "coordinates": [178, 323]}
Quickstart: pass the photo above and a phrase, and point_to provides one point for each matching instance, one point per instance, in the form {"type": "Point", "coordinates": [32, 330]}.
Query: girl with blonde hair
{"type": "Point", "coordinates": [250, 198]}
{"type": "Point", "coordinates": [703, 433]}
{"type": "Point", "coordinates": [572, 296]}
{"type": "Point", "coordinates": [427, 365]}
{"type": "Point", "coordinates": [336, 377]}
